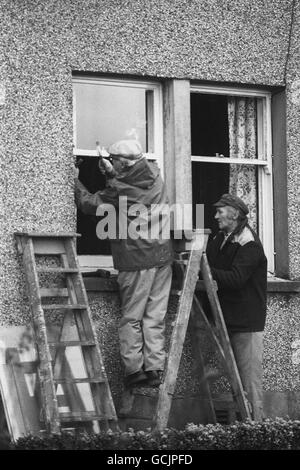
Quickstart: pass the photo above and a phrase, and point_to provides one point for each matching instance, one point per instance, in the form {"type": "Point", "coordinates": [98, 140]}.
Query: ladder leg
{"type": "Point", "coordinates": [48, 395]}
{"type": "Point", "coordinates": [233, 373]}
{"type": "Point", "coordinates": [197, 353]}
{"type": "Point", "coordinates": [92, 356]}
{"type": "Point", "coordinates": [198, 310]}
{"type": "Point", "coordinates": [167, 388]}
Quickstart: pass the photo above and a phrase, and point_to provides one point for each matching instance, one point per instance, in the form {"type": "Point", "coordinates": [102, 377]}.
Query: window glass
{"type": "Point", "coordinates": [230, 147]}
{"type": "Point", "coordinates": [209, 137]}
{"type": "Point", "coordinates": [107, 113]}
{"type": "Point", "coordinates": [224, 126]}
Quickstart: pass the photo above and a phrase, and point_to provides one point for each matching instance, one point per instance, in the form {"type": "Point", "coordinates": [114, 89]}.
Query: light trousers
{"type": "Point", "coordinates": [144, 302]}
{"type": "Point", "coordinates": [248, 350]}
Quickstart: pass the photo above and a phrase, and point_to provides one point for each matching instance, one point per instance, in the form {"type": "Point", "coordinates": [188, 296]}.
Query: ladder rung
{"type": "Point", "coordinates": [84, 416]}
{"type": "Point", "coordinates": [58, 270]}
{"type": "Point", "coordinates": [79, 380]}
{"type": "Point", "coordinates": [64, 307]}
{"type": "Point", "coordinates": [64, 344]}
{"type": "Point", "coordinates": [48, 247]}
{"type": "Point", "coordinates": [54, 292]}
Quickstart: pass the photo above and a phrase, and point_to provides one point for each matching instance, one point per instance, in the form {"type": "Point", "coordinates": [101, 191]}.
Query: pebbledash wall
{"type": "Point", "coordinates": [225, 41]}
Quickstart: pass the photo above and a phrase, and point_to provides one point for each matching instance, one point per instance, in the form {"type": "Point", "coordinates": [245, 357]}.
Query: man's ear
{"type": "Point", "coordinates": [236, 214]}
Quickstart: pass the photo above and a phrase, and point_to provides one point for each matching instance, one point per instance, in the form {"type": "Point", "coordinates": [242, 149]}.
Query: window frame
{"type": "Point", "coordinates": [89, 263]}
{"type": "Point", "coordinates": [154, 86]}
{"type": "Point", "coordinates": [263, 162]}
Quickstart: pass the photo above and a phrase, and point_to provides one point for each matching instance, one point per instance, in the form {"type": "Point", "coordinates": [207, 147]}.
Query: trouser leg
{"type": "Point", "coordinates": [248, 349]}
{"type": "Point", "coordinates": [135, 287]}
{"type": "Point", "coordinates": [154, 319]}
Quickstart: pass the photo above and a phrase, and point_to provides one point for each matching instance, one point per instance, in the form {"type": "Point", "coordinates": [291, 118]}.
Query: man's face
{"type": "Point", "coordinates": [118, 164]}
{"type": "Point", "coordinates": [227, 218]}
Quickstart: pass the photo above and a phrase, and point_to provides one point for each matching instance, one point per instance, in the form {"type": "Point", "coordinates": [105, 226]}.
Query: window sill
{"type": "Point", "coordinates": [109, 284]}
{"type": "Point", "coordinates": [278, 285]}
{"type": "Point", "coordinates": [101, 284]}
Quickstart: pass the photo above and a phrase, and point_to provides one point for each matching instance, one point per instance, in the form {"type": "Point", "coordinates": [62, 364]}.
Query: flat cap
{"type": "Point", "coordinates": [130, 149]}
{"type": "Point", "coordinates": [233, 201]}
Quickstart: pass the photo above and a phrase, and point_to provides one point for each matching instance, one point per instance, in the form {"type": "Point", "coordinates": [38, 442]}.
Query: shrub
{"type": "Point", "coordinates": [269, 434]}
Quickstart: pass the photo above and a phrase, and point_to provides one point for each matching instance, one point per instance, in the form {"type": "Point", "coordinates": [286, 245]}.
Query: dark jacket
{"type": "Point", "coordinates": [141, 184]}
{"type": "Point", "coordinates": [240, 269]}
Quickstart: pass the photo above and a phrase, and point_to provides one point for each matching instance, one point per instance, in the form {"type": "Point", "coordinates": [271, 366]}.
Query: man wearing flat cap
{"type": "Point", "coordinates": [144, 263]}
{"type": "Point", "coordinates": [239, 266]}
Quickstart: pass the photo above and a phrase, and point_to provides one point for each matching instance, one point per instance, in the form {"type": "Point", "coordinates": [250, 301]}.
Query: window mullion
{"type": "Point", "coordinates": [158, 126]}
{"type": "Point", "coordinates": [265, 193]}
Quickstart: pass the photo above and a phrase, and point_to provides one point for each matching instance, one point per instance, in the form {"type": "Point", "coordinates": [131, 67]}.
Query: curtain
{"type": "Point", "coordinates": [243, 144]}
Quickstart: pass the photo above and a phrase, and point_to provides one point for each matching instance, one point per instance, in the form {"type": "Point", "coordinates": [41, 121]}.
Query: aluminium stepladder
{"type": "Point", "coordinates": [189, 264]}
{"type": "Point", "coordinates": [64, 294]}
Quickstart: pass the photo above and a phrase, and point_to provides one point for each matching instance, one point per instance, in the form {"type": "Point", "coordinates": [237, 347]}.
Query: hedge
{"type": "Point", "coordinates": [277, 434]}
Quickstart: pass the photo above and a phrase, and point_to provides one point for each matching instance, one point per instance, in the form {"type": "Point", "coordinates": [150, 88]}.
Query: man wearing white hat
{"type": "Point", "coordinates": [144, 264]}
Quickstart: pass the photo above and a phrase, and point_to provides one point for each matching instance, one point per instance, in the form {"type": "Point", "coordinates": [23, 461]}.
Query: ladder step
{"type": "Point", "coordinates": [72, 380]}
{"type": "Point", "coordinates": [64, 307]}
{"type": "Point", "coordinates": [84, 416]}
{"type": "Point", "coordinates": [64, 344]}
{"type": "Point", "coordinates": [58, 270]}
{"type": "Point", "coordinates": [48, 247]}
{"type": "Point", "coordinates": [54, 292]}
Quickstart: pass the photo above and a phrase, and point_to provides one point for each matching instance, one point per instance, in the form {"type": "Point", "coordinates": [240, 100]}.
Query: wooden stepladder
{"type": "Point", "coordinates": [190, 263]}
{"type": "Point", "coordinates": [72, 361]}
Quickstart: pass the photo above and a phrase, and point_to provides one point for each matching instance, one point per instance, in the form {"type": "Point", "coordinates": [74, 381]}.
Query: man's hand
{"type": "Point", "coordinates": [105, 166]}
{"type": "Point", "coordinates": [76, 172]}
{"type": "Point", "coordinates": [101, 150]}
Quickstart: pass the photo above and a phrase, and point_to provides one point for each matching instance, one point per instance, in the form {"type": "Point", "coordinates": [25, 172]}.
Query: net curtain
{"type": "Point", "coordinates": [242, 120]}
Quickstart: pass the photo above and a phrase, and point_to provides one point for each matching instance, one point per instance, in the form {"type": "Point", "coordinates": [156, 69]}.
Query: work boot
{"type": "Point", "coordinates": [154, 377]}
{"type": "Point", "coordinates": [135, 379]}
